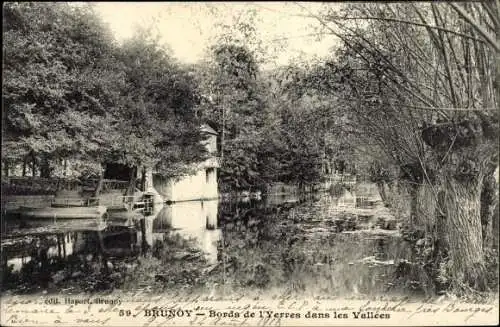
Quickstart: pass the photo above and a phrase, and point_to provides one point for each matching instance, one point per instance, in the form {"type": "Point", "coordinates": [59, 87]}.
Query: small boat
{"type": "Point", "coordinates": [64, 213]}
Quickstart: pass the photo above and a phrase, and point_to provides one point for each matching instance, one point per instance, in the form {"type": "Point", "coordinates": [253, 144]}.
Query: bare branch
{"type": "Point", "coordinates": [395, 20]}
{"type": "Point", "coordinates": [490, 39]}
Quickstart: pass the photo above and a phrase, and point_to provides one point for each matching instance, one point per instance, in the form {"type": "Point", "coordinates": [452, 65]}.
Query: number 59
{"type": "Point", "coordinates": [122, 313]}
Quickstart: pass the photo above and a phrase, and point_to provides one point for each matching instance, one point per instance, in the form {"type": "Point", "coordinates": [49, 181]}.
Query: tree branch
{"type": "Point", "coordinates": [395, 20]}
{"type": "Point", "coordinates": [490, 39]}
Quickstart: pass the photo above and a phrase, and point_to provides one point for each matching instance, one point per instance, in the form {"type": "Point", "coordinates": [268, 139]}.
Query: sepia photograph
{"type": "Point", "coordinates": [250, 163]}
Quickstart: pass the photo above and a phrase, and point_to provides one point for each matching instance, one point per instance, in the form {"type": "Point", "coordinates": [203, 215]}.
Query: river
{"type": "Point", "coordinates": [314, 244]}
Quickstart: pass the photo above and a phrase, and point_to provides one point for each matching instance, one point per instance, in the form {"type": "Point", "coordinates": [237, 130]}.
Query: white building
{"type": "Point", "coordinates": [200, 186]}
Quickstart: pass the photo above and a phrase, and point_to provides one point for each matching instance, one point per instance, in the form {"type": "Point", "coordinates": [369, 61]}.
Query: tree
{"type": "Point", "coordinates": [237, 108]}
{"type": "Point", "coordinates": [315, 131]}
{"type": "Point", "coordinates": [71, 92]}
{"type": "Point", "coordinates": [431, 106]}
{"type": "Point", "coordinates": [59, 82]}
{"type": "Point", "coordinates": [159, 111]}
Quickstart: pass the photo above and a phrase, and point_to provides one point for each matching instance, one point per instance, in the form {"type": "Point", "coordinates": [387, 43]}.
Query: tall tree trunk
{"type": "Point", "coordinates": [143, 179]}
{"type": "Point", "coordinates": [132, 181]}
{"type": "Point", "coordinates": [441, 223]}
{"type": "Point", "coordinates": [462, 205]}
{"type": "Point", "coordinates": [494, 227]}
{"type": "Point", "coordinates": [100, 183]}
{"type": "Point", "coordinates": [413, 191]}
{"type": "Point", "coordinates": [440, 242]}
{"type": "Point", "coordinates": [489, 200]}
{"type": "Point", "coordinates": [44, 167]}
{"type": "Point", "coordinates": [25, 164]}
{"type": "Point", "coordinates": [33, 164]}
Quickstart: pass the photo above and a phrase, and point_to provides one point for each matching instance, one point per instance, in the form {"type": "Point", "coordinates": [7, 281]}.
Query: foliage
{"type": "Point", "coordinates": [237, 109]}
{"type": "Point", "coordinates": [71, 92]}
{"type": "Point", "coordinates": [59, 80]}
{"type": "Point", "coordinates": [158, 114]}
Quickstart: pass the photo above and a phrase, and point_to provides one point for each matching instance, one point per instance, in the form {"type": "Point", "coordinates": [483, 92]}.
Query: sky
{"type": "Point", "coordinates": [189, 27]}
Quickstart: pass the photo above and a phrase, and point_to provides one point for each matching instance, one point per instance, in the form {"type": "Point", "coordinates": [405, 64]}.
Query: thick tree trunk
{"type": "Point", "coordinates": [143, 179]}
{"type": "Point", "coordinates": [489, 200]}
{"type": "Point", "coordinates": [462, 205]}
{"type": "Point", "coordinates": [100, 183]}
{"type": "Point", "coordinates": [494, 227]}
{"type": "Point", "coordinates": [44, 167]}
{"type": "Point", "coordinates": [440, 242]}
{"type": "Point", "coordinates": [427, 206]}
{"type": "Point", "coordinates": [441, 224]}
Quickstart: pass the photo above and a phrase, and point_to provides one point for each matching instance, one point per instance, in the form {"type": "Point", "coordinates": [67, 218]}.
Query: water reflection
{"type": "Point", "coordinates": [51, 246]}
{"type": "Point", "coordinates": [192, 219]}
{"type": "Point", "coordinates": [284, 240]}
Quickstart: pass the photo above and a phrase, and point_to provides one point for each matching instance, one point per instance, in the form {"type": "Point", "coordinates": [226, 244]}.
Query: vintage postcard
{"type": "Point", "coordinates": [250, 164]}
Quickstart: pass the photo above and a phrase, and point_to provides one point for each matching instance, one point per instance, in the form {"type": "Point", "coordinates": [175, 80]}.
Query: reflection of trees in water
{"type": "Point", "coordinates": [49, 261]}
{"type": "Point", "coordinates": [249, 246]}
{"type": "Point", "coordinates": [262, 247]}
{"type": "Point", "coordinates": [266, 247]}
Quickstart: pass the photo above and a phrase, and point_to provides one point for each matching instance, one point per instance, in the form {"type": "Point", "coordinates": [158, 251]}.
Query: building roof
{"type": "Point", "coordinates": [207, 129]}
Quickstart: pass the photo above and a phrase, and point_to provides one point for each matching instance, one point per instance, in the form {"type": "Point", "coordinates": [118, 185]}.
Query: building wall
{"type": "Point", "coordinates": [200, 186]}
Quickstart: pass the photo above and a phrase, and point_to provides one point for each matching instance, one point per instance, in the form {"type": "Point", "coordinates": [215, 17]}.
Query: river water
{"type": "Point", "coordinates": [314, 244]}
